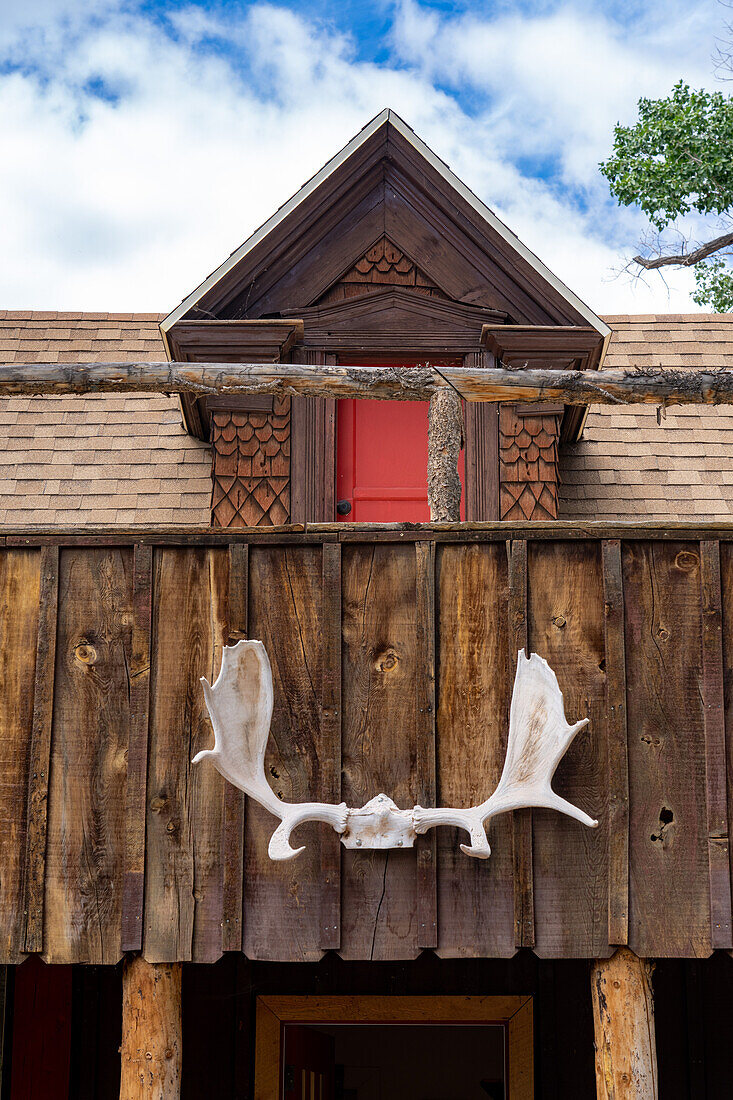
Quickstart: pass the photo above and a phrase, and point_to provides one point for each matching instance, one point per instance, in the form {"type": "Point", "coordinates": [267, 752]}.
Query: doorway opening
{"type": "Point", "coordinates": [376, 1048]}
{"type": "Point", "coordinates": [382, 457]}
{"type": "Point", "coordinates": [379, 1061]}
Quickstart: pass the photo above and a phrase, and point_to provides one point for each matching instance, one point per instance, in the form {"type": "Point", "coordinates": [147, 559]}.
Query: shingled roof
{"type": "Point", "coordinates": [627, 465]}
{"type": "Point", "coordinates": [107, 459]}
{"type": "Point", "coordinates": [113, 459]}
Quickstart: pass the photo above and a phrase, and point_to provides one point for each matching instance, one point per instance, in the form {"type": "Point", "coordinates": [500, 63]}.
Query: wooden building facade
{"type": "Point", "coordinates": [139, 910]}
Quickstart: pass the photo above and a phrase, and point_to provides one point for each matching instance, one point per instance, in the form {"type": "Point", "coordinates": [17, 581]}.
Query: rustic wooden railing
{"type": "Point", "coordinates": [393, 651]}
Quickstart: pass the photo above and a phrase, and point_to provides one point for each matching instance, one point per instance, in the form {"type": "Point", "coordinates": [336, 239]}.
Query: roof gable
{"type": "Point", "coordinates": [385, 182]}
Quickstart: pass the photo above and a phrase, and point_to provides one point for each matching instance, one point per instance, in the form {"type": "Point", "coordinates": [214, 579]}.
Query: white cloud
{"type": "Point", "coordinates": [212, 121]}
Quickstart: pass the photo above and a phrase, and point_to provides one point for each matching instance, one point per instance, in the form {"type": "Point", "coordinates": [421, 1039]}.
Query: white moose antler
{"type": "Point", "coordinates": [240, 705]}
{"type": "Point", "coordinates": [539, 736]}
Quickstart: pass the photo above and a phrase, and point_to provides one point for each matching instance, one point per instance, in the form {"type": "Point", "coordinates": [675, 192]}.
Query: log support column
{"type": "Point", "coordinates": [151, 1030]}
{"type": "Point", "coordinates": [445, 439]}
{"type": "Point", "coordinates": [623, 1018]}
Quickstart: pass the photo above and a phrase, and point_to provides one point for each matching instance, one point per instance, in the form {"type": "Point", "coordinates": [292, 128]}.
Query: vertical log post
{"type": "Point", "coordinates": [151, 1030]}
{"type": "Point", "coordinates": [445, 439]}
{"type": "Point", "coordinates": [623, 1018]}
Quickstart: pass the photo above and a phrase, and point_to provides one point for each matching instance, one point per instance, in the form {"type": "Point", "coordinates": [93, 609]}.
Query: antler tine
{"type": "Point", "coordinates": [240, 706]}
{"type": "Point", "coordinates": [539, 736]}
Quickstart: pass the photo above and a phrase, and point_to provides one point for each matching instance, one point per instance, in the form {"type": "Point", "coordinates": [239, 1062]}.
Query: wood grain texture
{"type": "Point", "coordinates": [524, 930]}
{"type": "Point", "coordinates": [668, 852]}
{"type": "Point", "coordinates": [152, 1024]}
{"type": "Point", "coordinates": [379, 749]}
{"type": "Point", "coordinates": [282, 900]}
{"type": "Point", "coordinates": [183, 873]}
{"type": "Point", "coordinates": [475, 898]}
{"type": "Point", "coordinates": [19, 618]}
{"type": "Point", "coordinates": [330, 744]}
{"type": "Point", "coordinates": [570, 860]}
{"type": "Point", "coordinates": [623, 1017]}
{"type": "Point", "coordinates": [726, 577]}
{"type": "Point", "coordinates": [40, 750]}
{"type": "Point", "coordinates": [133, 884]}
{"type": "Point", "coordinates": [618, 757]}
{"type": "Point", "coordinates": [426, 846]}
{"type": "Point", "coordinates": [85, 849]}
{"type": "Point", "coordinates": [232, 854]}
{"type": "Point", "coordinates": [715, 747]}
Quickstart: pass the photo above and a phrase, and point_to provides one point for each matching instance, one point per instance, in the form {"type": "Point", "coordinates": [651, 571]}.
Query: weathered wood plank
{"type": "Point", "coordinates": [715, 749]}
{"type": "Point", "coordinates": [19, 619]}
{"type": "Point", "coordinates": [85, 848]}
{"type": "Point", "coordinates": [426, 850]}
{"type": "Point", "coordinates": [618, 757]}
{"type": "Point", "coordinates": [133, 885]}
{"type": "Point", "coordinates": [330, 744]}
{"type": "Point", "coordinates": [315, 533]}
{"type": "Point", "coordinates": [379, 743]}
{"type": "Point", "coordinates": [282, 900]}
{"type": "Point", "coordinates": [40, 755]}
{"type": "Point", "coordinates": [524, 929]}
{"type": "Point", "coordinates": [651, 386]}
{"type": "Point", "coordinates": [183, 872]}
{"type": "Point", "coordinates": [669, 912]}
{"type": "Point", "coordinates": [570, 860]}
{"type": "Point", "coordinates": [232, 853]}
{"type": "Point", "coordinates": [475, 897]}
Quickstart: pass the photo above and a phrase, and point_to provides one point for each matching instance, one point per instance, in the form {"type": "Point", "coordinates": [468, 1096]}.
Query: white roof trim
{"type": "Point", "coordinates": [387, 115]}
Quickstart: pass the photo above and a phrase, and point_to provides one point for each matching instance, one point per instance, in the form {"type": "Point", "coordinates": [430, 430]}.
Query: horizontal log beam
{"type": "Point", "coordinates": [646, 386]}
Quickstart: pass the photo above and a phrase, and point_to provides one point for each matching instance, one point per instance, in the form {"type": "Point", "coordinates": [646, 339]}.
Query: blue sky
{"type": "Point", "coordinates": [140, 142]}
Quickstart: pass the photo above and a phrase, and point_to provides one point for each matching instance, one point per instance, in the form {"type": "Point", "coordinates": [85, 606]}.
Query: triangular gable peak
{"type": "Point", "coordinates": [386, 185]}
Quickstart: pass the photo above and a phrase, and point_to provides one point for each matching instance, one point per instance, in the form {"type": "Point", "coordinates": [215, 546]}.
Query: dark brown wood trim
{"type": "Point", "coordinates": [133, 881]}
{"type": "Point", "coordinates": [234, 803]}
{"type": "Point", "coordinates": [482, 453]}
{"type": "Point", "coordinates": [40, 752]}
{"type": "Point", "coordinates": [330, 938]}
{"type": "Point", "coordinates": [313, 451]}
{"type": "Point", "coordinates": [524, 932]}
{"type": "Point", "coordinates": [715, 747]}
{"type": "Point", "coordinates": [618, 763]}
{"type": "Point", "coordinates": [426, 764]}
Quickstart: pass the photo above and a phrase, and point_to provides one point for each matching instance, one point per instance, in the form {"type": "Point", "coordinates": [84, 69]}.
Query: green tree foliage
{"type": "Point", "coordinates": [678, 158]}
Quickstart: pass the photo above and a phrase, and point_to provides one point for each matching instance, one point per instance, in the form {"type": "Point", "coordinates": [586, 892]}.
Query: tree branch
{"type": "Point", "coordinates": [686, 259]}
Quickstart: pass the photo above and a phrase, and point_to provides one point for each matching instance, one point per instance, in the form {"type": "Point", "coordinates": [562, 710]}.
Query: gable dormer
{"type": "Point", "coordinates": [383, 256]}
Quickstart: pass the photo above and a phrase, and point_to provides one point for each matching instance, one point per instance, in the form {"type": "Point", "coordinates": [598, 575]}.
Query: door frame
{"type": "Point", "coordinates": [515, 1013]}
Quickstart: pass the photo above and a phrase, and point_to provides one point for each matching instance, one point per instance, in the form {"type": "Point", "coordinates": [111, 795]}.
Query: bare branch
{"type": "Point", "coordinates": [686, 259]}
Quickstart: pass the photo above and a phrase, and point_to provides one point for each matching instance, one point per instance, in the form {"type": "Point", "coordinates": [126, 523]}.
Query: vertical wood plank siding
{"type": "Point", "coordinates": [133, 885]}
{"type": "Point", "coordinates": [232, 852]}
{"type": "Point", "coordinates": [393, 658]}
{"type": "Point", "coordinates": [282, 900]}
{"type": "Point", "coordinates": [19, 617]}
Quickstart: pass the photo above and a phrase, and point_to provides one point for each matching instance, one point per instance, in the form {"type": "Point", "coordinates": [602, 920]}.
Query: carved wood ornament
{"type": "Point", "coordinates": [240, 705]}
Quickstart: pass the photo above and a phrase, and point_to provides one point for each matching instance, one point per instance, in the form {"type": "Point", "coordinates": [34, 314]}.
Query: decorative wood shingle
{"type": "Point", "coordinates": [251, 466]}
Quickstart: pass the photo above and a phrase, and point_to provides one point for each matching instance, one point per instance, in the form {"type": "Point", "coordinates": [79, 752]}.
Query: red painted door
{"type": "Point", "coordinates": [382, 461]}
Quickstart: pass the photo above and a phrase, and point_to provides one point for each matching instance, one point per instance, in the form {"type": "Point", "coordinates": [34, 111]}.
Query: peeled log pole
{"type": "Point", "coordinates": [623, 1018]}
{"type": "Point", "coordinates": [648, 385]}
{"type": "Point", "coordinates": [151, 1030]}
{"type": "Point", "coordinates": [445, 439]}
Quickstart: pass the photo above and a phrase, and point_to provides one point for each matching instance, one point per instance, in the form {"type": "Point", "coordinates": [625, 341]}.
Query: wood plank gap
{"type": "Point", "coordinates": [524, 931]}
{"type": "Point", "coordinates": [40, 754]}
{"type": "Point", "coordinates": [427, 856]}
{"type": "Point", "coordinates": [232, 856]}
{"type": "Point", "coordinates": [618, 758]}
{"type": "Point", "coordinates": [721, 927]}
{"type": "Point", "coordinates": [330, 935]}
{"type": "Point", "coordinates": [133, 882]}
